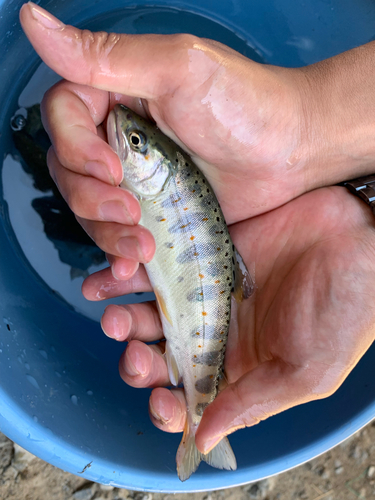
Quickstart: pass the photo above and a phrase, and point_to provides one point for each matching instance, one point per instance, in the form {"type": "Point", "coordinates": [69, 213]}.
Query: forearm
{"type": "Point", "coordinates": [338, 103]}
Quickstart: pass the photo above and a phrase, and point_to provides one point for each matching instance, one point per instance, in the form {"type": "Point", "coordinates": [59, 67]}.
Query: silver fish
{"type": "Point", "coordinates": [194, 272]}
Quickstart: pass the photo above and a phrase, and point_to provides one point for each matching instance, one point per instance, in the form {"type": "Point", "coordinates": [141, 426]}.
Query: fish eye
{"type": "Point", "coordinates": [137, 140]}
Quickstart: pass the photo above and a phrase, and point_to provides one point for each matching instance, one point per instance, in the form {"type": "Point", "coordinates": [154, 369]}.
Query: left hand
{"type": "Point", "coordinates": [308, 324]}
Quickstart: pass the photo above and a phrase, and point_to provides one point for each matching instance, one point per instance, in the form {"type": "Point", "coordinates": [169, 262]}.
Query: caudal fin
{"type": "Point", "coordinates": [188, 457]}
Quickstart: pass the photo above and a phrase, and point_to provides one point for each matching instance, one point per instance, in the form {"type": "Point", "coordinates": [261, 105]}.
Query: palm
{"type": "Point", "coordinates": [298, 337]}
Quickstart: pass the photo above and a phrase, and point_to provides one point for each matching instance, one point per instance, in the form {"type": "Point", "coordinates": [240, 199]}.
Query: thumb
{"type": "Point", "coordinates": [269, 389]}
{"type": "Point", "coordinates": [136, 65]}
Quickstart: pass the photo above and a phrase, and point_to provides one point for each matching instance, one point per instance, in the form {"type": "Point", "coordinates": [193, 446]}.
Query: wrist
{"type": "Point", "coordinates": [338, 117]}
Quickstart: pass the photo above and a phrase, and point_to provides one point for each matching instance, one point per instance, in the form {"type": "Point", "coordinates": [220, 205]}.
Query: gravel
{"type": "Point", "coordinates": [346, 472]}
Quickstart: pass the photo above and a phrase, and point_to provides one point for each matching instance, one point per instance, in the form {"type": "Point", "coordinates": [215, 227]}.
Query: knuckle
{"type": "Point", "coordinates": [185, 41]}
{"type": "Point", "coordinates": [96, 46]}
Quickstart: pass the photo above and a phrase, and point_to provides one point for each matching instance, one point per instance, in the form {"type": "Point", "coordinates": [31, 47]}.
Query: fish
{"type": "Point", "coordinates": [194, 272]}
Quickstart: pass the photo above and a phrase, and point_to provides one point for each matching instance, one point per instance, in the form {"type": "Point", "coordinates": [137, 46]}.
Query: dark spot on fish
{"type": "Point", "coordinates": [218, 219]}
{"type": "Point", "coordinates": [214, 269]}
{"type": "Point", "coordinates": [226, 241]}
{"type": "Point", "coordinates": [205, 385]}
{"type": "Point", "coordinates": [190, 254]}
{"type": "Point", "coordinates": [186, 223]}
{"type": "Point", "coordinates": [199, 409]}
{"type": "Point", "coordinates": [233, 248]}
{"type": "Point", "coordinates": [180, 278]}
{"type": "Point", "coordinates": [201, 196]}
{"type": "Point", "coordinates": [207, 292]}
{"type": "Point", "coordinates": [186, 164]}
{"type": "Point", "coordinates": [215, 210]}
{"type": "Point", "coordinates": [208, 190]}
{"type": "Point", "coordinates": [233, 260]}
{"type": "Point", "coordinates": [213, 358]}
{"type": "Point", "coordinates": [209, 332]}
{"type": "Point", "coordinates": [226, 255]}
{"type": "Point", "coordinates": [196, 182]}
{"type": "Point", "coordinates": [169, 245]}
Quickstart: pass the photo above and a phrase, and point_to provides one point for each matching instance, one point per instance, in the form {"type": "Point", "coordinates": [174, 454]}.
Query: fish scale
{"type": "Point", "coordinates": [179, 207]}
{"type": "Point", "coordinates": [194, 270]}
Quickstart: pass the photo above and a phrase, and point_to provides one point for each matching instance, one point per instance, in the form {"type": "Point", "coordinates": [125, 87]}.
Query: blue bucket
{"type": "Point", "coordinates": [61, 396]}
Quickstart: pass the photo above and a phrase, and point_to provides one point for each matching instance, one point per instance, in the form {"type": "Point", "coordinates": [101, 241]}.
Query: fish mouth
{"type": "Point", "coordinates": [115, 136]}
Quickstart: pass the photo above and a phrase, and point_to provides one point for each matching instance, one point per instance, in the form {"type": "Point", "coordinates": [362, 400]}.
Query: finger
{"type": "Point", "coordinates": [72, 115]}
{"type": "Point", "coordinates": [121, 268]}
{"type": "Point", "coordinates": [168, 409]}
{"type": "Point", "coordinates": [269, 389]}
{"type": "Point", "coordinates": [102, 285]}
{"type": "Point", "coordinates": [132, 242]}
{"type": "Point", "coordinates": [143, 365]}
{"type": "Point", "coordinates": [132, 321]}
{"type": "Point", "coordinates": [92, 199]}
{"type": "Point", "coordinates": [128, 64]}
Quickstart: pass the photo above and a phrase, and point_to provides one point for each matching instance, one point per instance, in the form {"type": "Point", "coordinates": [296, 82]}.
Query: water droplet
{"type": "Point", "coordinates": [19, 359]}
{"type": "Point", "coordinates": [43, 353]}
{"type": "Point", "coordinates": [32, 381]}
{"type": "Point", "coordinates": [90, 393]}
{"type": "Point", "coordinates": [27, 366]}
{"type": "Point", "coordinates": [74, 399]}
{"type": "Point", "coordinates": [58, 374]}
{"type": "Point", "coordinates": [35, 418]}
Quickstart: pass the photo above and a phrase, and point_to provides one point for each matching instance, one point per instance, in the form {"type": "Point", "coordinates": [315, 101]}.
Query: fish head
{"type": "Point", "coordinates": [145, 152]}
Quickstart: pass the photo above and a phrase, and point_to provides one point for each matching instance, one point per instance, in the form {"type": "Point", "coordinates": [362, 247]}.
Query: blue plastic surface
{"type": "Point", "coordinates": [60, 393]}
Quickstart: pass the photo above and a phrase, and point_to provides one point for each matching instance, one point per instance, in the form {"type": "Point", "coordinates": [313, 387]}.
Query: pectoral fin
{"type": "Point", "coordinates": [244, 285]}
{"type": "Point", "coordinates": [162, 305]}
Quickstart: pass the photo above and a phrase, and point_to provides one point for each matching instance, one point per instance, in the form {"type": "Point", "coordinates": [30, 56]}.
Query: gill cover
{"type": "Point", "coordinates": [143, 149]}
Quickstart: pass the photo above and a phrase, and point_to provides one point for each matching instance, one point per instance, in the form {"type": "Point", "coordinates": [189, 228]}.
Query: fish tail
{"type": "Point", "coordinates": [189, 457]}
{"type": "Point", "coordinates": [222, 456]}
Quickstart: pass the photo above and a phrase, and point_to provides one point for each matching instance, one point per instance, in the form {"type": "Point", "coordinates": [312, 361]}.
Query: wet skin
{"type": "Point", "coordinates": [263, 136]}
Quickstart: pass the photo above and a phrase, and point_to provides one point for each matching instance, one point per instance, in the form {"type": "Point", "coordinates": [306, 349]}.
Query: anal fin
{"type": "Point", "coordinates": [173, 372]}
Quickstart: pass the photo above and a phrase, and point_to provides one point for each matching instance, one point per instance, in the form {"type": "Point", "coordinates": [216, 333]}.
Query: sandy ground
{"type": "Point", "coordinates": [346, 472]}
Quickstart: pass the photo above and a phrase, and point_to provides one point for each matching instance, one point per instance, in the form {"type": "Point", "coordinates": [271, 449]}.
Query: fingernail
{"type": "Point", "coordinates": [209, 445]}
{"type": "Point", "coordinates": [45, 18]}
{"type": "Point", "coordinates": [129, 248]}
{"type": "Point", "coordinates": [136, 365]}
{"type": "Point", "coordinates": [159, 414]}
{"type": "Point", "coordinates": [114, 324]}
{"type": "Point", "coordinates": [99, 170]}
{"type": "Point", "coordinates": [115, 211]}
